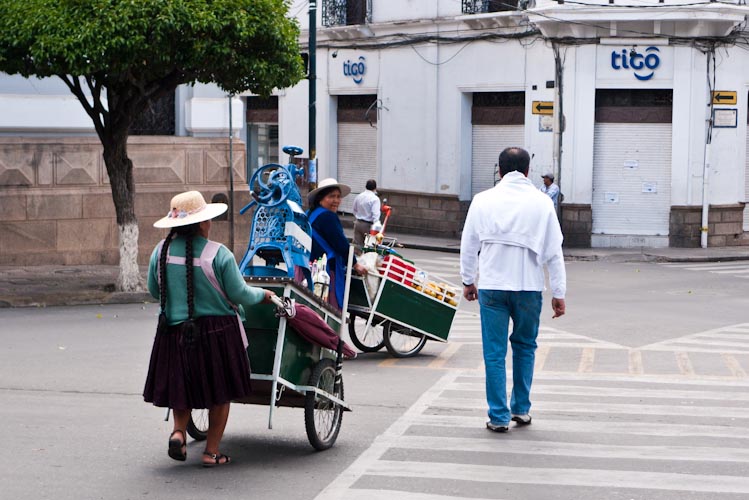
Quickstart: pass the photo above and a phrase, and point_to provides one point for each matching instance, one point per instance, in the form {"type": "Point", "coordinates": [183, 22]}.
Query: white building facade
{"type": "Point", "coordinates": [638, 107]}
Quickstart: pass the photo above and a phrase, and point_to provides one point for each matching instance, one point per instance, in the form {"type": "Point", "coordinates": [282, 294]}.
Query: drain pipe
{"type": "Point", "coordinates": [705, 202]}
{"type": "Point", "coordinates": [708, 147]}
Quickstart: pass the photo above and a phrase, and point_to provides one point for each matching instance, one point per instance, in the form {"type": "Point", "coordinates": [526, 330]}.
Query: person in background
{"type": "Point", "coordinates": [511, 232]}
{"type": "Point", "coordinates": [199, 357]}
{"type": "Point", "coordinates": [328, 237]}
{"type": "Point", "coordinates": [366, 211]}
{"type": "Point", "coordinates": [551, 189]}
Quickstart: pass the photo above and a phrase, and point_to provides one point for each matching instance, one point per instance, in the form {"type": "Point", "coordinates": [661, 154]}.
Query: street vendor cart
{"type": "Point", "coordinates": [400, 307]}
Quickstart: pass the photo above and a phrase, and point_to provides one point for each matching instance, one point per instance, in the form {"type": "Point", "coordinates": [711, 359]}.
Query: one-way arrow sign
{"type": "Point", "coordinates": [724, 97]}
{"type": "Point", "coordinates": [542, 107]}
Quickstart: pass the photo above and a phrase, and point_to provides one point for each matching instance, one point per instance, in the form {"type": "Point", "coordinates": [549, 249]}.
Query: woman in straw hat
{"type": "Point", "coordinates": [328, 237]}
{"type": "Point", "coordinates": [199, 357]}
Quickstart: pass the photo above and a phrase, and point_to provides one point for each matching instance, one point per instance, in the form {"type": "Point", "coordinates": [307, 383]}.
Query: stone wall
{"type": "Point", "coordinates": [427, 214]}
{"type": "Point", "coordinates": [724, 224]}
{"type": "Point", "coordinates": [56, 206]}
{"type": "Point", "coordinates": [577, 225]}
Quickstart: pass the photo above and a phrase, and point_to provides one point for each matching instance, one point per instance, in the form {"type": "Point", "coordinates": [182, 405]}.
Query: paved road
{"type": "Point", "coordinates": [641, 393]}
{"type": "Point", "coordinates": [665, 419]}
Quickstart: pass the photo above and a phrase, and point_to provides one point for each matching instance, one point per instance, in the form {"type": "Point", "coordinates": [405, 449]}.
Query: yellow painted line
{"type": "Point", "coordinates": [587, 357]}
{"type": "Point", "coordinates": [444, 356]}
{"type": "Point", "coordinates": [388, 362]}
{"type": "Point", "coordinates": [733, 364]}
{"type": "Point", "coordinates": [685, 365]}
{"type": "Point", "coordinates": [541, 354]}
{"type": "Point", "coordinates": [635, 362]}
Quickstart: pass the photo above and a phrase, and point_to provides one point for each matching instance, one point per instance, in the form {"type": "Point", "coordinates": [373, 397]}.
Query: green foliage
{"type": "Point", "coordinates": [147, 44]}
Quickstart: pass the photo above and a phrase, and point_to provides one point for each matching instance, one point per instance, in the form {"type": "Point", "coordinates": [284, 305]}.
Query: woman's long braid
{"type": "Point", "coordinates": [190, 329]}
{"type": "Point", "coordinates": [190, 272]}
{"type": "Point", "coordinates": [162, 281]}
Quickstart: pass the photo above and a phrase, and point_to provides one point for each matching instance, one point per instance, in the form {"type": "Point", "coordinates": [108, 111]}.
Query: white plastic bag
{"type": "Point", "coordinates": [370, 260]}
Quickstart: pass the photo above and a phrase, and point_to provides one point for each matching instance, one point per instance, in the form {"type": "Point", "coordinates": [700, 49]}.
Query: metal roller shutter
{"type": "Point", "coordinates": [488, 141]}
{"type": "Point", "coordinates": [630, 159]}
{"type": "Point", "coordinates": [357, 158]}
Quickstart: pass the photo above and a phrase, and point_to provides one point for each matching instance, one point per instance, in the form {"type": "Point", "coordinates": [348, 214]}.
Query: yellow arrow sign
{"type": "Point", "coordinates": [724, 97]}
{"type": "Point", "coordinates": [542, 108]}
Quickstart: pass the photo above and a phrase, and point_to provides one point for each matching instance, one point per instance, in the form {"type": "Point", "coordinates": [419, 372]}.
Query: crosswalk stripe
{"type": "Point", "coordinates": [567, 449]}
{"type": "Point", "coordinates": [617, 391]}
{"type": "Point", "coordinates": [561, 476]}
{"type": "Point", "coordinates": [386, 494]}
{"type": "Point", "coordinates": [591, 427]}
{"type": "Point", "coordinates": [607, 408]}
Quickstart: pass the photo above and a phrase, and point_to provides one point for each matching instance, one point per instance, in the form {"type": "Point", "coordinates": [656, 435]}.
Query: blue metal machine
{"type": "Point", "coordinates": [280, 230]}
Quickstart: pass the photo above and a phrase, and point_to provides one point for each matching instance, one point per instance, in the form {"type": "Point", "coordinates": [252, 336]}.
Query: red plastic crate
{"type": "Point", "coordinates": [400, 270]}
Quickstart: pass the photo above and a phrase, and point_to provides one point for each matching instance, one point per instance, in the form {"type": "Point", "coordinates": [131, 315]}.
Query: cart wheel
{"type": "Point", "coordinates": [197, 427]}
{"type": "Point", "coordinates": [322, 417]}
{"type": "Point", "coordinates": [370, 339]}
{"type": "Point", "coordinates": [402, 342]}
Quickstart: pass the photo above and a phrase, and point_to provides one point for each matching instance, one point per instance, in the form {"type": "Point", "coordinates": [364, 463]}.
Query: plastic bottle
{"type": "Point", "coordinates": [325, 280]}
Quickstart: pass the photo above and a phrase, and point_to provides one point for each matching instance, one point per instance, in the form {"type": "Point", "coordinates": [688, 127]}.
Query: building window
{"type": "Point", "coordinates": [262, 132]}
{"type": "Point", "coordinates": [157, 119]}
{"type": "Point", "coordinates": [346, 12]}
{"type": "Point", "coordinates": [484, 6]}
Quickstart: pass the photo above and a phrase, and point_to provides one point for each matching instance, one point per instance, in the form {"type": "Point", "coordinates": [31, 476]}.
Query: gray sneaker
{"type": "Point", "coordinates": [496, 428]}
{"type": "Point", "coordinates": [522, 419]}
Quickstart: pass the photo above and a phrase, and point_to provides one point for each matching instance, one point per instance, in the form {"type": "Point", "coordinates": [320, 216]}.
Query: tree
{"type": "Point", "coordinates": [118, 56]}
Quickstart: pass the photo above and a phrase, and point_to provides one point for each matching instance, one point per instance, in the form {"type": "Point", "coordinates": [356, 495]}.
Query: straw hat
{"type": "Point", "coordinates": [188, 208]}
{"type": "Point", "coordinates": [325, 184]}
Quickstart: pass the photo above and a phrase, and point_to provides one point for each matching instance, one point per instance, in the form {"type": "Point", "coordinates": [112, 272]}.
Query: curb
{"type": "Point", "coordinates": [76, 299]}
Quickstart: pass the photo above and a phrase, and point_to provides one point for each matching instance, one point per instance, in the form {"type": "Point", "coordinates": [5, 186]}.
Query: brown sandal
{"type": "Point", "coordinates": [218, 459]}
{"type": "Point", "coordinates": [176, 446]}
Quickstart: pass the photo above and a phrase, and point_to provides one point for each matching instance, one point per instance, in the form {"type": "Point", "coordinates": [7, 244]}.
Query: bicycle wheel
{"type": "Point", "coordinates": [370, 339]}
{"type": "Point", "coordinates": [197, 426]}
{"type": "Point", "coordinates": [322, 417]}
{"type": "Point", "coordinates": [402, 342]}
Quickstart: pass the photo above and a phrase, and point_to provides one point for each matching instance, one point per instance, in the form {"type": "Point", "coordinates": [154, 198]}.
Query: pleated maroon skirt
{"type": "Point", "coordinates": [202, 370]}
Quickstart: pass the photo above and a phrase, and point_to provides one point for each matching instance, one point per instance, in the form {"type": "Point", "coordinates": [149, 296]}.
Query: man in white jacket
{"type": "Point", "coordinates": [511, 232]}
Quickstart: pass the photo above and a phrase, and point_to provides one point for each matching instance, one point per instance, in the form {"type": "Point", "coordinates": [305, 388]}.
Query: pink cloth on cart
{"type": "Point", "coordinates": [310, 326]}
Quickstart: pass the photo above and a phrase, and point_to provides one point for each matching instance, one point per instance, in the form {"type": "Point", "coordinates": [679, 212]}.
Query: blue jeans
{"type": "Point", "coordinates": [497, 308]}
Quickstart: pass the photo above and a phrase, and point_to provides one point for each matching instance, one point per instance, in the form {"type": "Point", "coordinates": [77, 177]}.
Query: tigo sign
{"type": "Point", "coordinates": [355, 69]}
{"type": "Point", "coordinates": [643, 66]}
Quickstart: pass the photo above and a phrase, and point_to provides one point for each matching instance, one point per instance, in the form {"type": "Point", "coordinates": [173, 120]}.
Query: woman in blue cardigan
{"type": "Point", "coordinates": [328, 237]}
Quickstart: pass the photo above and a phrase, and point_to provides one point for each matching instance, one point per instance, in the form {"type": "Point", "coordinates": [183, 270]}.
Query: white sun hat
{"type": "Point", "coordinates": [188, 208]}
{"type": "Point", "coordinates": [325, 184]}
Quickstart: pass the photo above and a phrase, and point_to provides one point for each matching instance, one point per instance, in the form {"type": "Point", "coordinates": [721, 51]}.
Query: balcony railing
{"type": "Point", "coordinates": [346, 12]}
{"type": "Point", "coordinates": [483, 6]}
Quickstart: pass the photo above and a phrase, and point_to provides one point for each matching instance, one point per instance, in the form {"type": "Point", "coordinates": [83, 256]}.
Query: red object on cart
{"type": "Point", "coordinates": [399, 269]}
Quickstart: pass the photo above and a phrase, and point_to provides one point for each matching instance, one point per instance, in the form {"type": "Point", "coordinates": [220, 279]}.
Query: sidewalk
{"type": "Point", "coordinates": [44, 286]}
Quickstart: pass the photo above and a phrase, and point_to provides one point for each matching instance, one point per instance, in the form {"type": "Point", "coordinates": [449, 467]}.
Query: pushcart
{"type": "Point", "coordinates": [287, 369]}
{"type": "Point", "coordinates": [408, 307]}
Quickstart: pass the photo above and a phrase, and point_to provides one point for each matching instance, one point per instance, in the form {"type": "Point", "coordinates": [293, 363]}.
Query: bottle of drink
{"type": "Point", "coordinates": [325, 281]}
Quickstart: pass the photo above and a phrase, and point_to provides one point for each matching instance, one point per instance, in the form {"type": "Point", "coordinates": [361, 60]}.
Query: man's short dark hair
{"type": "Point", "coordinates": [514, 160]}
{"type": "Point", "coordinates": [371, 184]}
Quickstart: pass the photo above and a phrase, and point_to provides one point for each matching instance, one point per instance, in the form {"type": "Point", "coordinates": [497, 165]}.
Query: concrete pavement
{"type": "Point", "coordinates": [44, 286]}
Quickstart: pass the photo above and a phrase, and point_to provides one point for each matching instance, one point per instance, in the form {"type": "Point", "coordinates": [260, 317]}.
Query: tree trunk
{"type": "Point", "coordinates": [120, 171]}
